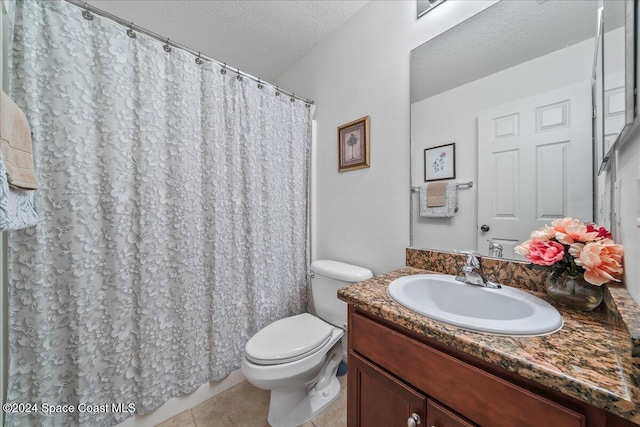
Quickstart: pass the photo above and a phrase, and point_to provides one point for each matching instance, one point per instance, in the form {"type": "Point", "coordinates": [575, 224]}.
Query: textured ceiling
{"type": "Point", "coordinates": [261, 37]}
{"type": "Point", "coordinates": [502, 36]}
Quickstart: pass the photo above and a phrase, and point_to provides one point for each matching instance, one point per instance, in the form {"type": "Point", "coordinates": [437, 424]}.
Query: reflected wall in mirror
{"type": "Point", "coordinates": [512, 86]}
{"type": "Point", "coordinates": [618, 75]}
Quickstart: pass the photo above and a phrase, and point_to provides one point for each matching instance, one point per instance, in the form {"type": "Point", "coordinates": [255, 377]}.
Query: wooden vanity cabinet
{"type": "Point", "coordinates": [393, 374]}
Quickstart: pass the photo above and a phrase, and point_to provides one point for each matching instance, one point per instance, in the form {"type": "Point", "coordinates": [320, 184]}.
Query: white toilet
{"type": "Point", "coordinates": [297, 357]}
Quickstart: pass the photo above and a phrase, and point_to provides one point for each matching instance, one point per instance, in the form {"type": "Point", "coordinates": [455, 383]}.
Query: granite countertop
{"type": "Point", "coordinates": [599, 373]}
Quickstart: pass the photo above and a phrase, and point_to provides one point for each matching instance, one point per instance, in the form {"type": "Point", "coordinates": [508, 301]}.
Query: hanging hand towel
{"type": "Point", "coordinates": [15, 139]}
{"type": "Point", "coordinates": [450, 206]}
{"type": "Point", "coordinates": [436, 194]}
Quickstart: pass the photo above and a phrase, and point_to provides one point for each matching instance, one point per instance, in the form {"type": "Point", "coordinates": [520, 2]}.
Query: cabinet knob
{"type": "Point", "coordinates": [413, 420]}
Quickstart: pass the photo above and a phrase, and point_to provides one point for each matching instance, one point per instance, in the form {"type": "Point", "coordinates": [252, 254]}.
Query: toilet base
{"type": "Point", "coordinates": [292, 407]}
{"type": "Point", "coordinates": [295, 407]}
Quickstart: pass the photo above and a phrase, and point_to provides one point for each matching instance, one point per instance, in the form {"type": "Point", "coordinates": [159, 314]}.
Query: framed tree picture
{"type": "Point", "coordinates": [440, 162]}
{"type": "Point", "coordinates": [353, 145]}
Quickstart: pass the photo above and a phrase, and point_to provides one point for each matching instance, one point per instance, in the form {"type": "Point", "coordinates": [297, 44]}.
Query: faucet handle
{"type": "Point", "coordinates": [494, 245]}
{"type": "Point", "coordinates": [495, 249]}
{"type": "Point", "coordinates": [473, 257]}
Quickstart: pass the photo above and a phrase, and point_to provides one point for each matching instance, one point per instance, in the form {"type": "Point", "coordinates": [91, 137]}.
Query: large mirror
{"type": "Point", "coordinates": [512, 88]}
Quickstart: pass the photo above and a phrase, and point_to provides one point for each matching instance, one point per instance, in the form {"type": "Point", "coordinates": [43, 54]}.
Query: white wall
{"type": "Point", "coordinates": [627, 228]}
{"type": "Point", "coordinates": [363, 69]}
{"type": "Point", "coordinates": [452, 116]}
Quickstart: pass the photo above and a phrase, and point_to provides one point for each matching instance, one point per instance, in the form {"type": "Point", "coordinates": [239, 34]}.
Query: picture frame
{"type": "Point", "coordinates": [440, 162]}
{"type": "Point", "coordinates": [353, 145]}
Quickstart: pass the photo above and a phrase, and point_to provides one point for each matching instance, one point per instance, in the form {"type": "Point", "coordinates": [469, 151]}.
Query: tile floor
{"type": "Point", "coordinates": [246, 405]}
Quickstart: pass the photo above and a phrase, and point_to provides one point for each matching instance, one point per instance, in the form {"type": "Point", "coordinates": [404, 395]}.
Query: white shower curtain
{"type": "Point", "coordinates": [173, 208]}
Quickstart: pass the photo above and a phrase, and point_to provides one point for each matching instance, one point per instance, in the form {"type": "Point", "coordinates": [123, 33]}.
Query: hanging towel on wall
{"type": "Point", "coordinates": [17, 207]}
{"type": "Point", "coordinates": [436, 194]}
{"type": "Point", "coordinates": [15, 140]}
{"type": "Point", "coordinates": [450, 206]}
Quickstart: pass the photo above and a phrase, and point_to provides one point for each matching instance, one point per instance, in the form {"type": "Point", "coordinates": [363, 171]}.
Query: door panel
{"type": "Point", "coordinates": [614, 108]}
{"type": "Point", "coordinates": [440, 416]}
{"type": "Point", "coordinates": [380, 399]}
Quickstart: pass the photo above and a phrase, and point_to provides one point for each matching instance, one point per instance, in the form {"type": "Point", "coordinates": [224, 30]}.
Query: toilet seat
{"type": "Point", "coordinates": [288, 339]}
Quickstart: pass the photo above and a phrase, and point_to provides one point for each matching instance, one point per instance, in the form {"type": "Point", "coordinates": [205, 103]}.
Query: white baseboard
{"type": "Point", "coordinates": [174, 406]}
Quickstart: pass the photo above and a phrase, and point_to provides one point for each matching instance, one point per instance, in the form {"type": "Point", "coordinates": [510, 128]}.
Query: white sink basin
{"type": "Point", "coordinates": [504, 311]}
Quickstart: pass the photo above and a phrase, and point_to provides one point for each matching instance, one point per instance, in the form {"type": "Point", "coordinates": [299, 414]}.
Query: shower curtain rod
{"type": "Point", "coordinates": [88, 10]}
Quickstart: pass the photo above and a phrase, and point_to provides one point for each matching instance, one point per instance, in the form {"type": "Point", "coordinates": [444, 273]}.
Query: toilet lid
{"type": "Point", "coordinates": [288, 339]}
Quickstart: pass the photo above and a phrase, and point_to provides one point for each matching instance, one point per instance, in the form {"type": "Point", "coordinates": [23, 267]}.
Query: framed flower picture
{"type": "Point", "coordinates": [353, 145]}
{"type": "Point", "coordinates": [440, 162]}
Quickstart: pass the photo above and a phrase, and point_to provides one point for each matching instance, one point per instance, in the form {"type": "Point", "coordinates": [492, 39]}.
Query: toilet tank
{"type": "Point", "coordinates": [328, 277]}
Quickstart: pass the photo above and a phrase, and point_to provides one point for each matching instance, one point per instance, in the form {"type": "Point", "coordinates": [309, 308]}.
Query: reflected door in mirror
{"type": "Point", "coordinates": [533, 167]}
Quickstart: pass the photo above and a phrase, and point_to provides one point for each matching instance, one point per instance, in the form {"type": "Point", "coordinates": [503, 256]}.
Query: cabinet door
{"type": "Point", "coordinates": [377, 399]}
{"type": "Point", "coordinates": [440, 416]}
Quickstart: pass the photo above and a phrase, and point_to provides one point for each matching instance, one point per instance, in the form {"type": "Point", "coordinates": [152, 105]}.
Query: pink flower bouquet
{"type": "Point", "coordinates": [578, 249]}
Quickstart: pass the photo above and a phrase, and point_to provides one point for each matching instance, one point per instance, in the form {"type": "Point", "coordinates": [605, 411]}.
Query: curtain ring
{"type": "Point", "coordinates": [167, 47]}
{"type": "Point", "coordinates": [86, 14]}
{"type": "Point", "coordinates": [224, 69]}
{"type": "Point", "coordinates": [238, 76]}
{"type": "Point", "coordinates": [130, 31]}
{"type": "Point", "coordinates": [293, 97]}
{"type": "Point", "coordinates": [260, 85]}
{"type": "Point", "coordinates": [277, 91]}
{"type": "Point", "coordinates": [198, 59]}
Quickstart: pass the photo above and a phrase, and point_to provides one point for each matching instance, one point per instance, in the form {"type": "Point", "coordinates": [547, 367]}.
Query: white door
{"type": "Point", "coordinates": [534, 165]}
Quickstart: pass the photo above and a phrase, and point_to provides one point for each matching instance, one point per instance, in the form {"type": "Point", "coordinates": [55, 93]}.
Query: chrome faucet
{"type": "Point", "coordinates": [473, 274]}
